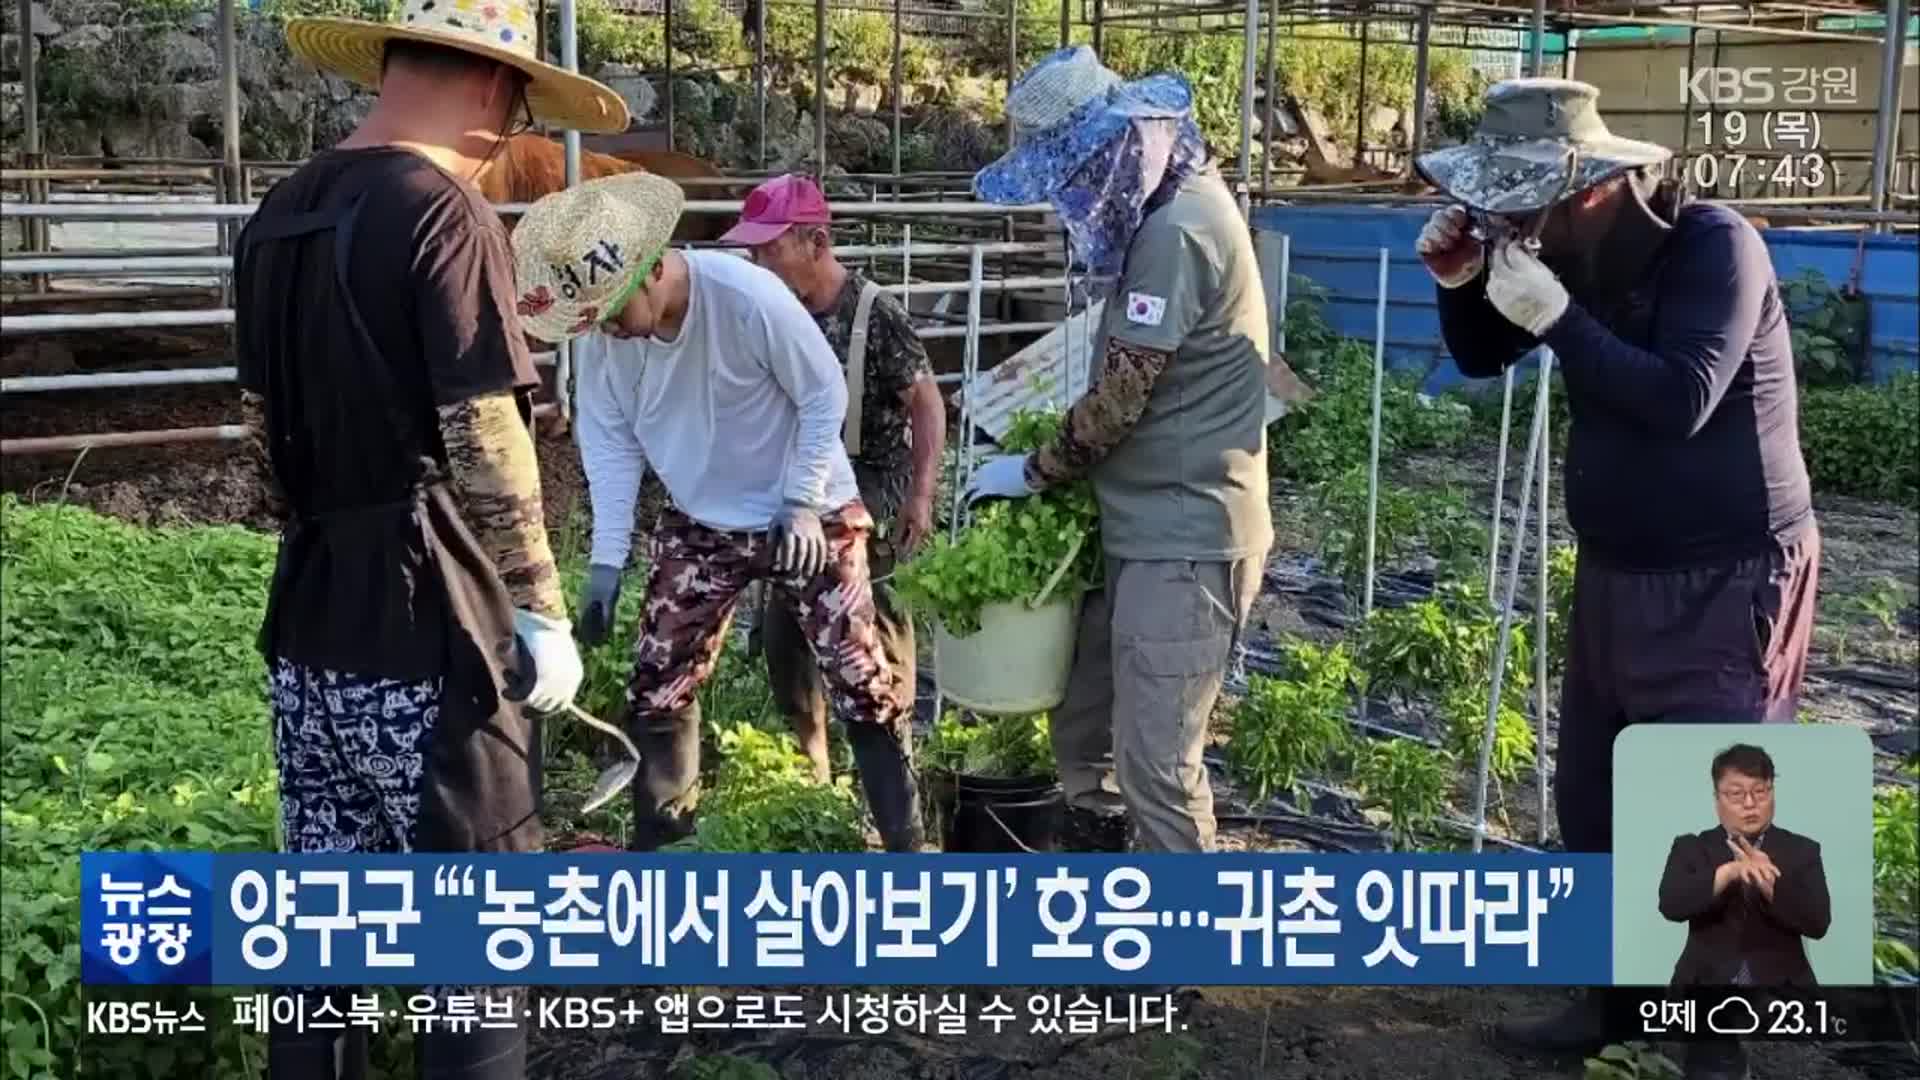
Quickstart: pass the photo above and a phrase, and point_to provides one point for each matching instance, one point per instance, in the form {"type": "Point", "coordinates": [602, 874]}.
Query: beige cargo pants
{"type": "Point", "coordinates": [1153, 649]}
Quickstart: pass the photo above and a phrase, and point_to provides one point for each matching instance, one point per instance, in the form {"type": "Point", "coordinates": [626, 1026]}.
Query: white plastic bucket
{"type": "Point", "coordinates": [1017, 663]}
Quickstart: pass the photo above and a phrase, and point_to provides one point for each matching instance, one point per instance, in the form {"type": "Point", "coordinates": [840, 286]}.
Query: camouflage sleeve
{"type": "Point", "coordinates": [497, 482]}
{"type": "Point", "coordinates": [896, 357]}
{"type": "Point", "coordinates": [253, 416]}
{"type": "Point", "coordinates": [1099, 421]}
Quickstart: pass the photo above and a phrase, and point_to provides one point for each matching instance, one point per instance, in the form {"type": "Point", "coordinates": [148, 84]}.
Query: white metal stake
{"type": "Point", "coordinates": [569, 59]}
{"type": "Point", "coordinates": [1540, 605]}
{"type": "Point", "coordinates": [1373, 449]}
{"type": "Point", "coordinates": [1534, 444]}
{"type": "Point", "coordinates": [906, 264]}
{"type": "Point", "coordinates": [969, 374]}
{"type": "Point", "coordinates": [1500, 481]}
{"type": "Point", "coordinates": [1286, 279]}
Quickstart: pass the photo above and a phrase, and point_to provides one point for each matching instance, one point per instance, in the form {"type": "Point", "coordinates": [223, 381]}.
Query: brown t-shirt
{"type": "Point", "coordinates": [353, 391]}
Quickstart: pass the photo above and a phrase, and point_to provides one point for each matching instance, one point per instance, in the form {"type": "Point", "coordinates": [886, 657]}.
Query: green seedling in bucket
{"type": "Point", "coordinates": [614, 778]}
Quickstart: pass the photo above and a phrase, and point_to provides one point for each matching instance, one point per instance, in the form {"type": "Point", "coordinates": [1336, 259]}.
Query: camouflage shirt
{"type": "Point", "coordinates": [895, 359]}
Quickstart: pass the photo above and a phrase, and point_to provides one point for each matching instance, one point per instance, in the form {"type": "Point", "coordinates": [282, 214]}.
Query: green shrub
{"type": "Point", "coordinates": [1406, 520]}
{"type": "Point", "coordinates": [1829, 330]}
{"type": "Point", "coordinates": [764, 798]}
{"type": "Point", "coordinates": [1288, 729]}
{"type": "Point", "coordinates": [1442, 645]}
{"type": "Point", "coordinates": [1864, 441]}
{"type": "Point", "coordinates": [1409, 780]}
{"type": "Point", "coordinates": [1463, 716]}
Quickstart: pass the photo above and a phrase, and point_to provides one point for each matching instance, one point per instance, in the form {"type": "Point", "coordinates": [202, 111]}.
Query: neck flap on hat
{"type": "Point", "coordinates": [1104, 203]}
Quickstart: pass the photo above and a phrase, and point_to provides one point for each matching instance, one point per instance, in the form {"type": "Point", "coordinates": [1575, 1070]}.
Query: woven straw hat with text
{"type": "Point", "coordinates": [581, 251]}
{"type": "Point", "coordinates": [500, 30]}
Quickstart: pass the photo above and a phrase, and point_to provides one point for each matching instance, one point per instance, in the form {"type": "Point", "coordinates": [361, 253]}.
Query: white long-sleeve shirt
{"type": "Point", "coordinates": [740, 413]}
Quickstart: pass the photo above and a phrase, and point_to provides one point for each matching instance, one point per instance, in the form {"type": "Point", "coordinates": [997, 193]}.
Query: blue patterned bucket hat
{"type": "Point", "coordinates": [1539, 140]}
{"type": "Point", "coordinates": [1064, 110]}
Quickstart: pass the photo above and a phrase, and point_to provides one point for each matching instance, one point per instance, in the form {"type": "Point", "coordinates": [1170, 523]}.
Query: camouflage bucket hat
{"type": "Point", "coordinates": [1539, 140]}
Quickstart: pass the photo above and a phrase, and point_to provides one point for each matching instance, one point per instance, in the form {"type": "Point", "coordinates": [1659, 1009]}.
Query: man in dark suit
{"type": "Point", "coordinates": [1749, 891]}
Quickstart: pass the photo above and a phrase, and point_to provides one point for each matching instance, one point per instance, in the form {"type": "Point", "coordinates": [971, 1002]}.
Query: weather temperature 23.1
{"type": "Point", "coordinates": [1839, 1013]}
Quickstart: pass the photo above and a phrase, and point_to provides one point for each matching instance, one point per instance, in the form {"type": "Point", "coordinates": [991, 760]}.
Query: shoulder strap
{"type": "Point", "coordinates": [857, 368]}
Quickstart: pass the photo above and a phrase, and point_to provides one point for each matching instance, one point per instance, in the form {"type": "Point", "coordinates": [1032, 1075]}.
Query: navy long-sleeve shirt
{"type": "Point", "coordinates": [1685, 444]}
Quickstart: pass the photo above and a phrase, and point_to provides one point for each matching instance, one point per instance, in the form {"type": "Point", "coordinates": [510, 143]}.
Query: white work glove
{"type": "Point", "coordinates": [1002, 476]}
{"type": "Point", "coordinates": [1521, 288]}
{"type": "Point", "coordinates": [551, 670]}
{"type": "Point", "coordinates": [1448, 248]}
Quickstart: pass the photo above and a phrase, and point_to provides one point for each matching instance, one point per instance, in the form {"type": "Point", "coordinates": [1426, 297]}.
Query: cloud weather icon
{"type": "Point", "coordinates": [1733, 1017]}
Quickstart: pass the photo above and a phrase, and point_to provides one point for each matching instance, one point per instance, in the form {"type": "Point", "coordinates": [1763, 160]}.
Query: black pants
{"type": "Point", "coordinates": [1719, 644]}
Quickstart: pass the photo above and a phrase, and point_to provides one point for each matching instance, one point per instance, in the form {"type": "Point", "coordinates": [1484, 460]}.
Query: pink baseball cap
{"type": "Point", "coordinates": [776, 206]}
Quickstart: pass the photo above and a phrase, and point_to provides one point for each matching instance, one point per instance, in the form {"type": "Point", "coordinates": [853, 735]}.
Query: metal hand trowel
{"type": "Point", "coordinates": [614, 778]}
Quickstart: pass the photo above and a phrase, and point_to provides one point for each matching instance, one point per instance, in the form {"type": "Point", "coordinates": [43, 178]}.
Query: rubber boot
{"type": "Point", "coordinates": [1093, 832]}
{"type": "Point", "coordinates": [885, 761]}
{"type": "Point", "coordinates": [317, 1055]}
{"type": "Point", "coordinates": [480, 1054]}
{"type": "Point", "coordinates": [668, 787]}
{"type": "Point", "coordinates": [1579, 1028]}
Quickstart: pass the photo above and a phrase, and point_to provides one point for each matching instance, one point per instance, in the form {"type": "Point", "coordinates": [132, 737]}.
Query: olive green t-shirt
{"type": "Point", "coordinates": [1190, 480]}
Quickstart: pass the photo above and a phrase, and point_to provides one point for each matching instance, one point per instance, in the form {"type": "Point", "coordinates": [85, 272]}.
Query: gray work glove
{"type": "Point", "coordinates": [799, 544]}
{"type": "Point", "coordinates": [598, 602]}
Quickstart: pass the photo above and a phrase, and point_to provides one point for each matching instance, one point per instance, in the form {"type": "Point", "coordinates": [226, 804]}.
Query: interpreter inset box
{"type": "Point", "coordinates": [1742, 855]}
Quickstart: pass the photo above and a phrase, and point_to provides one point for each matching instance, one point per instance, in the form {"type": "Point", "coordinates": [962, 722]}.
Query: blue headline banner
{"type": "Point", "coordinates": [601, 919]}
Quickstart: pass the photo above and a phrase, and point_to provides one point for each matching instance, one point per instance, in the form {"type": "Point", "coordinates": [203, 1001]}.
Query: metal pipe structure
{"type": "Point", "coordinates": [1537, 43]}
{"type": "Point", "coordinates": [1360, 125]}
{"type": "Point", "coordinates": [819, 87]}
{"type": "Point", "coordinates": [210, 264]}
{"type": "Point", "coordinates": [1571, 17]}
{"type": "Point", "coordinates": [216, 211]}
{"type": "Point", "coordinates": [1250, 56]}
{"type": "Point", "coordinates": [1013, 58]}
{"type": "Point", "coordinates": [1542, 703]}
{"type": "Point", "coordinates": [1373, 438]}
{"type": "Point", "coordinates": [570, 59]}
{"type": "Point", "coordinates": [1422, 103]}
{"type": "Point", "coordinates": [117, 380]}
{"type": "Point", "coordinates": [1500, 479]}
{"type": "Point", "coordinates": [760, 78]}
{"type": "Point", "coordinates": [666, 38]}
{"type": "Point", "coordinates": [17, 325]}
{"type": "Point", "coordinates": [1535, 447]}
{"type": "Point", "coordinates": [1887, 124]}
{"type": "Point", "coordinates": [1271, 94]}
{"type": "Point", "coordinates": [1066, 23]}
{"type": "Point", "coordinates": [229, 121]}
{"type": "Point", "coordinates": [899, 33]}
{"type": "Point", "coordinates": [54, 444]}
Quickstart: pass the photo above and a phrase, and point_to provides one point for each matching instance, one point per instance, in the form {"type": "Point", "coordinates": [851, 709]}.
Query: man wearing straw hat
{"type": "Point", "coordinates": [895, 430]}
{"type": "Point", "coordinates": [1172, 435]}
{"type": "Point", "coordinates": [707, 369]}
{"type": "Point", "coordinates": [1699, 555]}
{"type": "Point", "coordinates": [385, 384]}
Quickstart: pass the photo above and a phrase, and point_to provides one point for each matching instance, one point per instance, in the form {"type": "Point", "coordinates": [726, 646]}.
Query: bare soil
{"type": "Point", "coordinates": [1862, 674]}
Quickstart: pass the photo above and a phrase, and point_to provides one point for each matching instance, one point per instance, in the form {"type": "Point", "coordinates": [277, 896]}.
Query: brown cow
{"type": "Point", "coordinates": [533, 165]}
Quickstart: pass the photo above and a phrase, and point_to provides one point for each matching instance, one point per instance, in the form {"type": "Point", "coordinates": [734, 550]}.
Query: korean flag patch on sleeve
{"type": "Point", "coordinates": [1145, 309]}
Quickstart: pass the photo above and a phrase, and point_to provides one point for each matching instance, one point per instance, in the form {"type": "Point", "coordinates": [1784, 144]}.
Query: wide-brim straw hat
{"type": "Point", "coordinates": [1065, 109]}
{"type": "Point", "coordinates": [500, 30]}
{"type": "Point", "coordinates": [580, 252]}
{"type": "Point", "coordinates": [1538, 141]}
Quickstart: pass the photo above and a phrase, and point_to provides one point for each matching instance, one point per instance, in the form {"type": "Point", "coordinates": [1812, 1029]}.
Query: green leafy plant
{"type": "Point", "coordinates": [764, 798]}
{"type": "Point", "coordinates": [1895, 959]}
{"type": "Point", "coordinates": [1464, 718]}
{"type": "Point", "coordinates": [1410, 780]}
{"type": "Point", "coordinates": [1632, 1061]}
{"type": "Point", "coordinates": [1176, 1057]}
{"type": "Point", "coordinates": [1442, 645]}
{"type": "Point", "coordinates": [1011, 551]}
{"type": "Point", "coordinates": [1405, 520]}
{"type": "Point", "coordinates": [1829, 329]}
{"type": "Point", "coordinates": [134, 704]}
{"type": "Point", "coordinates": [1896, 847]}
{"type": "Point", "coordinates": [1288, 729]}
{"type": "Point", "coordinates": [1000, 747]}
{"type": "Point", "coordinates": [1864, 441]}
{"type": "Point", "coordinates": [1883, 601]}
{"type": "Point", "coordinates": [1561, 562]}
